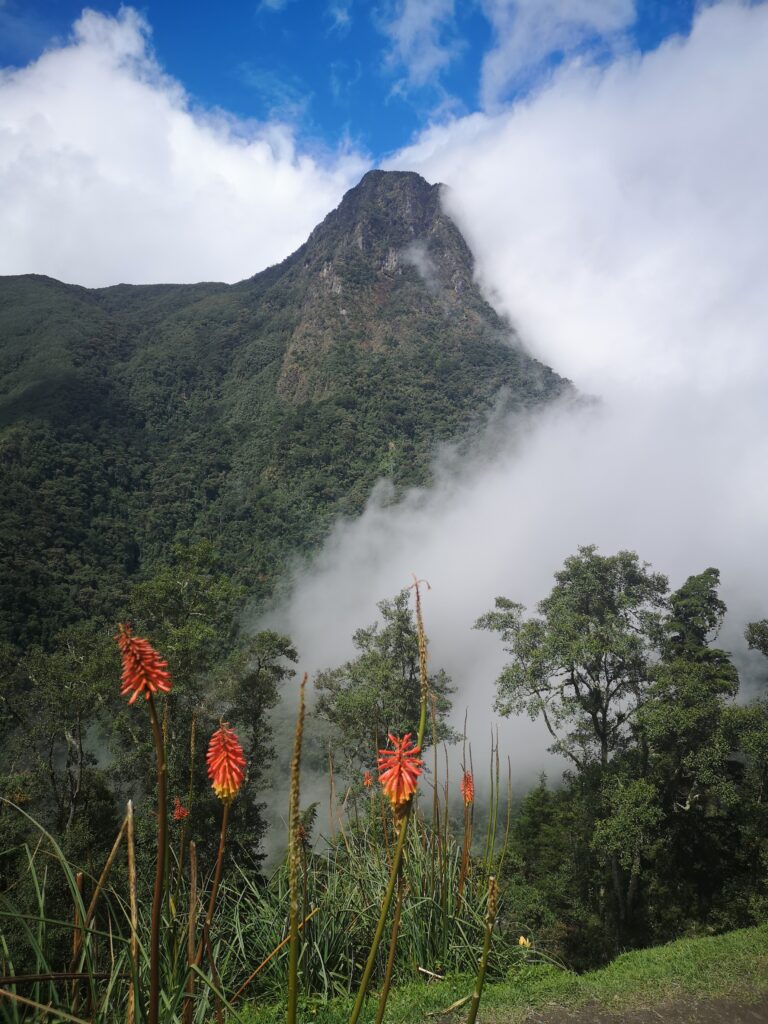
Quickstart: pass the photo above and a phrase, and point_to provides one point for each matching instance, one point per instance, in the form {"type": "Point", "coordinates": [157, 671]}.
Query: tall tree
{"type": "Point", "coordinates": [694, 682]}
{"type": "Point", "coordinates": [378, 691]}
{"type": "Point", "coordinates": [583, 664]}
{"type": "Point", "coordinates": [756, 635]}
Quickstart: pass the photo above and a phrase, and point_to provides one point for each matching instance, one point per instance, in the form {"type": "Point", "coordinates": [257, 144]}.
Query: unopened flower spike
{"type": "Point", "coordinates": [226, 763]}
{"type": "Point", "coordinates": [180, 812]}
{"type": "Point", "coordinates": [399, 769]}
{"type": "Point", "coordinates": [144, 671]}
{"type": "Point", "coordinates": [367, 779]}
{"type": "Point", "coordinates": [467, 787]}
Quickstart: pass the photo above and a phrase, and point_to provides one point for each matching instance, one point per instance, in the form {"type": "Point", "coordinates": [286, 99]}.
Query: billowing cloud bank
{"type": "Point", "coordinates": [620, 218]}
{"type": "Point", "coordinates": [108, 173]}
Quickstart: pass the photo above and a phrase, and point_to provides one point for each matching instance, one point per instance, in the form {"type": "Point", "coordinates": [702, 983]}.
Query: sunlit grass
{"type": "Point", "coordinates": [734, 964]}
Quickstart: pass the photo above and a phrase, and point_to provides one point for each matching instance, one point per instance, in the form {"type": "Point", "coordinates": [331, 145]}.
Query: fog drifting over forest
{"type": "Point", "coordinates": [620, 219]}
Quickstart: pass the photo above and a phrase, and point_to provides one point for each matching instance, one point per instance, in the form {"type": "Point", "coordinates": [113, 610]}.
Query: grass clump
{"type": "Point", "coordinates": [731, 965]}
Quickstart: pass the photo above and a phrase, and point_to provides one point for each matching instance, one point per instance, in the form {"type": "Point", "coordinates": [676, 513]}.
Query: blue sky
{"type": "Point", "coordinates": [371, 73]}
{"type": "Point", "coordinates": [616, 209]}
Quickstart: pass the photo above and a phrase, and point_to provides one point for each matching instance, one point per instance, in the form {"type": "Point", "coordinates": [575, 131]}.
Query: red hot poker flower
{"type": "Point", "coordinates": [467, 787]}
{"type": "Point", "coordinates": [180, 812]}
{"type": "Point", "coordinates": [226, 762]}
{"type": "Point", "coordinates": [144, 671]}
{"type": "Point", "coordinates": [367, 779]}
{"type": "Point", "coordinates": [399, 769]}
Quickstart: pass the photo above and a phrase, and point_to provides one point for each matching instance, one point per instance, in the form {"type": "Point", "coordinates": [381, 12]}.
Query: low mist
{"type": "Point", "coordinates": [620, 220]}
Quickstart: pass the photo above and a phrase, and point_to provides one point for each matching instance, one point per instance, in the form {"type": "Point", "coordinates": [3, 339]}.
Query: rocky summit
{"type": "Point", "coordinates": [251, 415]}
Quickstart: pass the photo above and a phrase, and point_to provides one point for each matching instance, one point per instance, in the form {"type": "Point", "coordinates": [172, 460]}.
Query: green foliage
{"type": "Point", "coordinates": [256, 414]}
{"type": "Point", "coordinates": [661, 827]}
{"type": "Point", "coordinates": [584, 662]}
{"type": "Point", "coordinates": [378, 692]}
{"type": "Point", "coordinates": [682, 974]}
{"type": "Point", "coordinates": [757, 636]}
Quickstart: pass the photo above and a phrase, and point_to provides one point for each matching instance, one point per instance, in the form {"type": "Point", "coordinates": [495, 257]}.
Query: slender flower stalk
{"type": "Point", "coordinates": [392, 950]}
{"type": "Point", "coordinates": [184, 837]}
{"type": "Point", "coordinates": [405, 813]}
{"type": "Point", "coordinates": [133, 991]}
{"type": "Point", "coordinates": [294, 859]}
{"type": "Point", "coordinates": [162, 850]}
{"type": "Point", "coordinates": [189, 988]}
{"type": "Point", "coordinates": [226, 770]}
{"type": "Point", "coordinates": [146, 673]}
{"type": "Point", "coordinates": [467, 787]}
{"type": "Point", "coordinates": [490, 918]}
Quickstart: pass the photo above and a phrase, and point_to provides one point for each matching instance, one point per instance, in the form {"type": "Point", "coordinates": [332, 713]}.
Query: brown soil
{"type": "Point", "coordinates": [694, 1011]}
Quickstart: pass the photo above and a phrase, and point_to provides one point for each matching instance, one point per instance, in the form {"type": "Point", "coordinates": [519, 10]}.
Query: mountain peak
{"type": "Point", "coordinates": [385, 209]}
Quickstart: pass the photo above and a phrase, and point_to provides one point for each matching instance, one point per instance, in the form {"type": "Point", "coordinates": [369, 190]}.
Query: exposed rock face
{"type": "Point", "coordinates": [251, 415]}
{"type": "Point", "coordinates": [387, 264]}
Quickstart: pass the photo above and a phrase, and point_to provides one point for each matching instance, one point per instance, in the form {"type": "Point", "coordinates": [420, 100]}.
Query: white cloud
{"type": "Point", "coordinates": [621, 219]}
{"type": "Point", "coordinates": [109, 173]}
{"type": "Point", "coordinates": [527, 32]}
{"type": "Point", "coordinates": [619, 216]}
{"type": "Point", "coordinates": [419, 31]}
{"type": "Point", "coordinates": [340, 14]}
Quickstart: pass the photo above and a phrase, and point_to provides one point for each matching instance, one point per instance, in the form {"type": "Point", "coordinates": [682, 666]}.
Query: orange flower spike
{"type": "Point", "coordinates": [399, 769]}
{"type": "Point", "coordinates": [144, 671]}
{"type": "Point", "coordinates": [467, 787]}
{"type": "Point", "coordinates": [180, 812]}
{"type": "Point", "coordinates": [226, 763]}
{"type": "Point", "coordinates": [367, 779]}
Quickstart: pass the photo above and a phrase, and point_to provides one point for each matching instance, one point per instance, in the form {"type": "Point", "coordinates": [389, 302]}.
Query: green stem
{"type": "Point", "coordinates": [216, 882]}
{"type": "Point", "coordinates": [386, 903]}
{"type": "Point", "coordinates": [294, 860]}
{"type": "Point", "coordinates": [391, 958]}
{"type": "Point", "coordinates": [490, 917]}
{"type": "Point", "coordinates": [162, 843]}
{"type": "Point", "coordinates": [398, 858]}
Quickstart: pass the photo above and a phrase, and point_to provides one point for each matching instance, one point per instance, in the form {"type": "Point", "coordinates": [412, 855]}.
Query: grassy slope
{"type": "Point", "coordinates": [735, 965]}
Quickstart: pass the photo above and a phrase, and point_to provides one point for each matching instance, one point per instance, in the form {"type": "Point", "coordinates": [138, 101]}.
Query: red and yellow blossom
{"type": "Point", "coordinates": [467, 787]}
{"type": "Point", "coordinates": [180, 812]}
{"type": "Point", "coordinates": [144, 671]}
{"type": "Point", "coordinates": [367, 779]}
{"type": "Point", "coordinates": [399, 769]}
{"type": "Point", "coordinates": [226, 762]}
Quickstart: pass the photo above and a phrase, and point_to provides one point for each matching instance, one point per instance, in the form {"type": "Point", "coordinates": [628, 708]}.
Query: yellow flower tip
{"type": "Point", "coordinates": [522, 941]}
{"type": "Point", "coordinates": [226, 763]}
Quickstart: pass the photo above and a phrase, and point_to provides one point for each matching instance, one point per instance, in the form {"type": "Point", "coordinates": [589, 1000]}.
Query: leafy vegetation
{"type": "Point", "coordinates": [164, 450]}
{"type": "Point", "coordinates": [660, 827]}
{"type": "Point", "coordinates": [731, 965]}
{"type": "Point", "coordinates": [252, 416]}
{"type": "Point", "coordinates": [378, 692]}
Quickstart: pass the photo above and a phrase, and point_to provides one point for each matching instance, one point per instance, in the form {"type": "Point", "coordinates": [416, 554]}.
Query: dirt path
{"type": "Point", "coordinates": [704, 1011]}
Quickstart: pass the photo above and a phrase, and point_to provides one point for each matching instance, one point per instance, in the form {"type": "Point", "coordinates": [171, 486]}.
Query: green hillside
{"type": "Point", "coordinates": [692, 981]}
{"type": "Point", "coordinates": [252, 415]}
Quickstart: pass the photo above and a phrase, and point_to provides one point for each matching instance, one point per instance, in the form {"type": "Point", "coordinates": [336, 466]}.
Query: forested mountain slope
{"type": "Point", "coordinates": [250, 414]}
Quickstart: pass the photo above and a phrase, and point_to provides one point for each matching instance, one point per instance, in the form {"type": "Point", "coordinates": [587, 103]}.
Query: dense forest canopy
{"type": "Point", "coordinates": [165, 450]}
